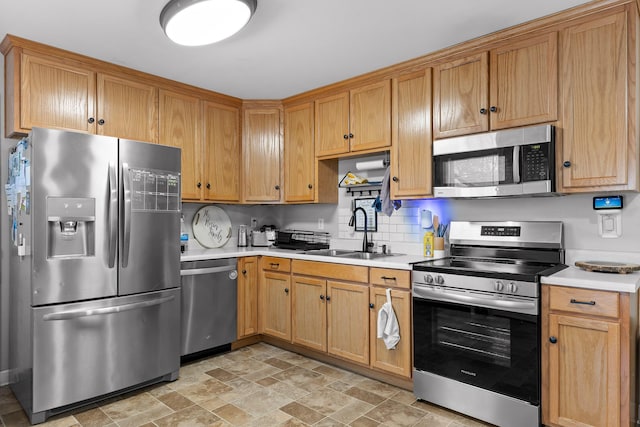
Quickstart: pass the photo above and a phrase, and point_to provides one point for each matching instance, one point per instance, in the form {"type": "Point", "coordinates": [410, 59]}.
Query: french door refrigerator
{"type": "Point", "coordinates": [94, 270]}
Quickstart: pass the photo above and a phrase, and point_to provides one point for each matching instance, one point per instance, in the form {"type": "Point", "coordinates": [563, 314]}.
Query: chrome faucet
{"type": "Point", "coordinates": [365, 241]}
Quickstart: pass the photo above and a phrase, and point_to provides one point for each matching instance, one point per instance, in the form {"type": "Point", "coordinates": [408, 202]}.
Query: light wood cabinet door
{"type": "Point", "coordinates": [247, 296]}
{"type": "Point", "coordinates": [56, 94]}
{"type": "Point", "coordinates": [221, 142]}
{"type": "Point", "coordinates": [411, 155]}
{"type": "Point", "coordinates": [275, 305]}
{"type": "Point", "coordinates": [180, 126]}
{"type": "Point", "coordinates": [332, 125]}
{"type": "Point", "coordinates": [524, 82]}
{"type": "Point", "coordinates": [460, 96]}
{"type": "Point", "coordinates": [299, 155]}
{"type": "Point", "coordinates": [309, 313]}
{"type": "Point", "coordinates": [127, 109]}
{"type": "Point", "coordinates": [262, 154]}
{"type": "Point", "coordinates": [584, 372]}
{"type": "Point", "coordinates": [596, 118]}
{"type": "Point", "coordinates": [348, 321]}
{"type": "Point", "coordinates": [398, 360]}
{"type": "Point", "coordinates": [370, 116]}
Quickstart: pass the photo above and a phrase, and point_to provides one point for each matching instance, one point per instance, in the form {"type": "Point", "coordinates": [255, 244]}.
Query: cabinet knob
{"type": "Point", "coordinates": [91, 120]}
{"type": "Point", "coordinates": [566, 164]}
{"type": "Point", "coordinates": [199, 185]}
{"type": "Point", "coordinates": [328, 298]}
{"type": "Point", "coordinates": [350, 135]}
{"type": "Point", "coordinates": [345, 136]}
{"type": "Point", "coordinates": [493, 109]}
{"type": "Point", "coordinates": [322, 297]}
{"type": "Point", "coordinates": [553, 340]}
{"type": "Point", "coordinates": [371, 305]}
{"type": "Point", "coordinates": [208, 186]}
{"type": "Point", "coordinates": [286, 290]}
{"type": "Point", "coordinates": [395, 179]}
{"type": "Point", "coordinates": [101, 122]}
{"type": "Point", "coordinates": [277, 187]}
{"type": "Point", "coordinates": [244, 272]}
{"type": "Point", "coordinates": [310, 186]}
{"type": "Point", "coordinates": [483, 111]}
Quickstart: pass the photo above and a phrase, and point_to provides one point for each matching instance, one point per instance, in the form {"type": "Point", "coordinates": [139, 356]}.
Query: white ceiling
{"type": "Point", "coordinates": [288, 47]}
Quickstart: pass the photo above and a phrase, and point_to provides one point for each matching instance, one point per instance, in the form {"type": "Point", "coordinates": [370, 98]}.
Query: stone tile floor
{"type": "Point", "coordinates": [259, 385]}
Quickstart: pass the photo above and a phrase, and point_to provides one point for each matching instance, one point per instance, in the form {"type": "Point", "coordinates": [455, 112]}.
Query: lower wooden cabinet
{"type": "Point", "coordinates": [588, 340]}
{"type": "Point", "coordinates": [247, 296]}
{"type": "Point", "coordinates": [275, 300]}
{"type": "Point", "coordinates": [347, 321]}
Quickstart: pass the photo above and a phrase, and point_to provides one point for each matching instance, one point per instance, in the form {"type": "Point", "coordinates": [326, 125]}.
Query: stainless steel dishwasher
{"type": "Point", "coordinates": [209, 304]}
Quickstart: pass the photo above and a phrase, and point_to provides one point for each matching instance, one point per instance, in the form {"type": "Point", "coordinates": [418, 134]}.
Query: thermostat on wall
{"type": "Point", "coordinates": [610, 202]}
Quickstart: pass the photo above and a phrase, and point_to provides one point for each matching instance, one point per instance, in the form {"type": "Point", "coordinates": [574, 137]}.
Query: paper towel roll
{"type": "Point", "coordinates": [370, 165]}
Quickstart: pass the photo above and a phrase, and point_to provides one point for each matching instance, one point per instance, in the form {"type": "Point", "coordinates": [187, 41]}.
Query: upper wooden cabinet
{"type": "Point", "coordinates": [299, 158]}
{"type": "Point", "coordinates": [262, 154]}
{"type": "Point", "coordinates": [599, 96]}
{"type": "Point", "coordinates": [221, 152]}
{"type": "Point", "coordinates": [354, 121]}
{"type": "Point", "coordinates": [127, 108]}
{"type": "Point", "coordinates": [180, 126]}
{"type": "Point", "coordinates": [523, 84]}
{"type": "Point", "coordinates": [412, 139]}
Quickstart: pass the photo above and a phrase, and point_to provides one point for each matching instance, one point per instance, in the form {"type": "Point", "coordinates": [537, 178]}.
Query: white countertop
{"type": "Point", "coordinates": [579, 278]}
{"type": "Point", "coordinates": [401, 262]}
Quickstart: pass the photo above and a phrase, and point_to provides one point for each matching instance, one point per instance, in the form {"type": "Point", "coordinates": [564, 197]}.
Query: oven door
{"type": "Point", "coordinates": [490, 348]}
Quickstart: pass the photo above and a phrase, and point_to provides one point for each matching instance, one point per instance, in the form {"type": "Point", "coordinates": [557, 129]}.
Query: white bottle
{"type": "Point", "coordinates": [184, 236]}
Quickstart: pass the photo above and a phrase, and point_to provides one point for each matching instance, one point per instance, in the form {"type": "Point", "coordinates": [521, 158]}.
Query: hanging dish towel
{"type": "Point", "coordinates": [387, 205]}
{"type": "Point", "coordinates": [388, 329]}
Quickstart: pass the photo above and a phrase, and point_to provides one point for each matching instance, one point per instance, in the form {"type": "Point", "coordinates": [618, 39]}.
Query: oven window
{"type": "Point", "coordinates": [491, 349]}
{"type": "Point", "coordinates": [475, 169]}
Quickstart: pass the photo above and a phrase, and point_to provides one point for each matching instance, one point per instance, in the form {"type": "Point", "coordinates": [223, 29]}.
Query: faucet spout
{"type": "Point", "coordinates": [365, 241]}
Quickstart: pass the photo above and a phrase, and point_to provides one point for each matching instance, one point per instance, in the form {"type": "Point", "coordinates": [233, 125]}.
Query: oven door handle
{"type": "Point", "coordinates": [526, 307]}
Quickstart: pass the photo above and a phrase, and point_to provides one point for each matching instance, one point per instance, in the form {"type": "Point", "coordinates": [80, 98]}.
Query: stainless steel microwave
{"type": "Point", "coordinates": [512, 162]}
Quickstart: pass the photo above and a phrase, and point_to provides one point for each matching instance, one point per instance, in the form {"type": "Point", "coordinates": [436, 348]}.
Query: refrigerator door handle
{"type": "Point", "coordinates": [126, 214]}
{"type": "Point", "coordinates": [113, 215]}
{"type": "Point", "coordinates": [74, 314]}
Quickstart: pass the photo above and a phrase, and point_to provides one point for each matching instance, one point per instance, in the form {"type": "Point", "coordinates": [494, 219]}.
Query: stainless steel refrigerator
{"type": "Point", "coordinates": [95, 268]}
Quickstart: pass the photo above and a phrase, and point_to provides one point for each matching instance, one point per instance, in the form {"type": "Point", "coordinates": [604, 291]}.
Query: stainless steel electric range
{"type": "Point", "coordinates": [476, 325]}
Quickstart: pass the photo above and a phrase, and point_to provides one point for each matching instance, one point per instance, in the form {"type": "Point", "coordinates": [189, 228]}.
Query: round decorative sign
{"type": "Point", "coordinates": [211, 227]}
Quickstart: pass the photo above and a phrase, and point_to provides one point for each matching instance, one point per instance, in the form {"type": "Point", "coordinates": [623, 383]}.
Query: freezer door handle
{"type": "Point", "coordinates": [113, 216]}
{"type": "Point", "coordinates": [210, 270]}
{"type": "Point", "coordinates": [126, 214]}
{"type": "Point", "coordinates": [74, 314]}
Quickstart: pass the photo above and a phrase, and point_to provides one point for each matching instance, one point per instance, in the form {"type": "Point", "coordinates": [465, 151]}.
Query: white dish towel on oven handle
{"type": "Point", "coordinates": [388, 328]}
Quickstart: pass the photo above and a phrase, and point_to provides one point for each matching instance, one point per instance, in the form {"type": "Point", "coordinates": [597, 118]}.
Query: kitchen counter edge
{"type": "Point", "coordinates": [579, 278]}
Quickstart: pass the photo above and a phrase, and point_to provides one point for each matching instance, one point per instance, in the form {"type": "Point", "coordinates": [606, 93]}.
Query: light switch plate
{"type": "Point", "coordinates": [610, 224]}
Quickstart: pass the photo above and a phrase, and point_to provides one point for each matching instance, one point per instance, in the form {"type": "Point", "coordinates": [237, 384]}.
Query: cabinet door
{"type": "Point", "coordinates": [370, 116]}
{"type": "Point", "coordinates": [524, 82]}
{"type": "Point", "coordinates": [275, 305]}
{"type": "Point", "coordinates": [460, 97]}
{"type": "Point", "coordinates": [56, 95]}
{"type": "Point", "coordinates": [332, 125]}
{"type": "Point", "coordinates": [299, 156]}
{"type": "Point", "coordinates": [127, 109]}
{"type": "Point", "coordinates": [411, 155]}
{"type": "Point", "coordinates": [247, 296]}
{"type": "Point", "coordinates": [348, 321]}
{"type": "Point", "coordinates": [396, 361]}
{"type": "Point", "coordinates": [584, 372]}
{"type": "Point", "coordinates": [309, 314]}
{"type": "Point", "coordinates": [593, 69]}
{"type": "Point", "coordinates": [180, 126]}
{"type": "Point", "coordinates": [262, 153]}
{"type": "Point", "coordinates": [222, 152]}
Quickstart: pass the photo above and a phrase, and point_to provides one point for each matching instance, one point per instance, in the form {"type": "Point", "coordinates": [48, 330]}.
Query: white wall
{"type": "Point", "coordinates": [5, 144]}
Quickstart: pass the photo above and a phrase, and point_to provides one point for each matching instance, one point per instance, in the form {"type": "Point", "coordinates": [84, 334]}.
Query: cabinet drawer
{"type": "Point", "coordinates": [389, 277]}
{"type": "Point", "coordinates": [585, 301]}
{"type": "Point", "coordinates": [276, 264]}
{"type": "Point", "coordinates": [346, 272]}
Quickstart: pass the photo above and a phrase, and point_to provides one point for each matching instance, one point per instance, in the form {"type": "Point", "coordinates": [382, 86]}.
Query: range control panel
{"type": "Point", "coordinates": [491, 230]}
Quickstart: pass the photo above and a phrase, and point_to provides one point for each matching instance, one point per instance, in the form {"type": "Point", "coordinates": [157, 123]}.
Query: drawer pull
{"type": "Point", "coordinates": [274, 265]}
{"type": "Point", "coordinates": [575, 301]}
{"type": "Point", "coordinates": [388, 278]}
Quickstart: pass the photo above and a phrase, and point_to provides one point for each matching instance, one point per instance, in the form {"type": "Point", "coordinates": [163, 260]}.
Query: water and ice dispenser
{"type": "Point", "coordinates": [71, 227]}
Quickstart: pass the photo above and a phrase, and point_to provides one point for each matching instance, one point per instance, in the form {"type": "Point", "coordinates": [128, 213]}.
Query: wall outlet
{"type": "Point", "coordinates": [254, 223]}
{"type": "Point", "coordinates": [320, 223]}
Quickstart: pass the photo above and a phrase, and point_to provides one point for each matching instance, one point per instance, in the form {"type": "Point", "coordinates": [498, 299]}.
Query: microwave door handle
{"type": "Point", "coordinates": [113, 216]}
{"type": "Point", "coordinates": [126, 213]}
{"type": "Point", "coordinates": [516, 164]}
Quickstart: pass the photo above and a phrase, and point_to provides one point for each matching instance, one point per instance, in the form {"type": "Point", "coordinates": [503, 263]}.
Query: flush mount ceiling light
{"type": "Point", "coordinates": [200, 22]}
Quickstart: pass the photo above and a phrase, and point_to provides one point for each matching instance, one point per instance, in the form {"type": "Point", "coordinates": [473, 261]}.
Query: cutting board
{"type": "Point", "coordinates": [608, 266]}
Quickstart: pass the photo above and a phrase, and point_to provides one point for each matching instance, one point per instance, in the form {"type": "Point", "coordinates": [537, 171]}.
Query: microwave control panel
{"type": "Point", "coordinates": [535, 162]}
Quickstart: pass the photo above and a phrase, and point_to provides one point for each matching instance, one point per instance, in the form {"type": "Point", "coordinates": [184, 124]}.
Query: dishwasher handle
{"type": "Point", "coordinates": [209, 270]}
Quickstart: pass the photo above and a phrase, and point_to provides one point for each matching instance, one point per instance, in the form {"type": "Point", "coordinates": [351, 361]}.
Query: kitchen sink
{"type": "Point", "coordinates": [345, 253]}
{"type": "Point", "coordinates": [329, 252]}
{"type": "Point", "coordinates": [365, 255]}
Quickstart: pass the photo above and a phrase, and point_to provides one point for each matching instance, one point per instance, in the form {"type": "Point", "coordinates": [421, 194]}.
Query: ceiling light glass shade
{"type": "Point", "coordinates": [200, 22]}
